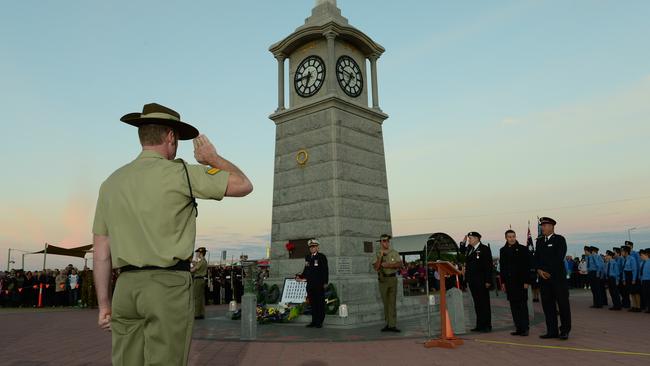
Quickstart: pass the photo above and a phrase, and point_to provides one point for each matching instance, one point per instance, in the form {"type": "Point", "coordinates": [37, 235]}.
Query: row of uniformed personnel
{"type": "Point", "coordinates": [624, 272]}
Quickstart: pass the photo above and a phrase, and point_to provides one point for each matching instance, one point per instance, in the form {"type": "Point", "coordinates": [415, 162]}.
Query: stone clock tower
{"type": "Point", "coordinates": [330, 171]}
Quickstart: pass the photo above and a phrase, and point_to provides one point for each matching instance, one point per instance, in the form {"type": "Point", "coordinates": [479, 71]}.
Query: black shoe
{"type": "Point", "coordinates": [394, 330]}
{"type": "Point", "coordinates": [199, 317]}
{"type": "Point", "coordinates": [548, 336]}
{"type": "Point", "coordinates": [318, 326]}
{"type": "Point", "coordinates": [477, 329]}
{"type": "Point", "coordinates": [524, 333]}
{"type": "Point", "coordinates": [385, 329]}
{"type": "Point", "coordinates": [310, 325]}
{"type": "Point", "coordinates": [647, 311]}
{"type": "Point", "coordinates": [564, 336]}
{"type": "Point", "coordinates": [487, 329]}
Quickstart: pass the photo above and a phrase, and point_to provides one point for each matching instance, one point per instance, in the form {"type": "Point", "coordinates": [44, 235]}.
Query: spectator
{"type": "Point", "coordinates": [74, 283]}
{"type": "Point", "coordinates": [60, 298]}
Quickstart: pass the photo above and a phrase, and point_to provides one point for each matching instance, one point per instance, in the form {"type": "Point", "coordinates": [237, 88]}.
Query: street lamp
{"type": "Point", "coordinates": [629, 237]}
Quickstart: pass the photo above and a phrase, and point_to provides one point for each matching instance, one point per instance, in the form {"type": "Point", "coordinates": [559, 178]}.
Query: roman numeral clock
{"type": "Point", "coordinates": [330, 171]}
{"type": "Point", "coordinates": [349, 76]}
{"type": "Point", "coordinates": [309, 76]}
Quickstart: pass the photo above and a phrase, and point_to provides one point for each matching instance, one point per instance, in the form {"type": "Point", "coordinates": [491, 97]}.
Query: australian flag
{"type": "Point", "coordinates": [529, 240]}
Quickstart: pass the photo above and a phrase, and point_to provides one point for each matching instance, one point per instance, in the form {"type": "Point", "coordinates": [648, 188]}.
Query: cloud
{"type": "Point", "coordinates": [511, 121]}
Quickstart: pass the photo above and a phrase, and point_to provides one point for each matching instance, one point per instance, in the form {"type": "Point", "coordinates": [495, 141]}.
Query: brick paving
{"type": "Point", "coordinates": [70, 337]}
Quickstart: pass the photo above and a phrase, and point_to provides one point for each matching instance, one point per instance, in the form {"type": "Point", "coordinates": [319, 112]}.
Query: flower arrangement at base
{"type": "Point", "coordinates": [274, 314]}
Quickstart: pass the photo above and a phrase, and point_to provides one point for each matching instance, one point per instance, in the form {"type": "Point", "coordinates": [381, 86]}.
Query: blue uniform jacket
{"type": "Point", "coordinates": [600, 263]}
{"type": "Point", "coordinates": [637, 257]}
{"type": "Point", "coordinates": [631, 266]}
{"type": "Point", "coordinates": [613, 270]}
{"type": "Point", "coordinates": [592, 265]}
{"type": "Point", "coordinates": [621, 262]}
{"type": "Point", "coordinates": [644, 272]}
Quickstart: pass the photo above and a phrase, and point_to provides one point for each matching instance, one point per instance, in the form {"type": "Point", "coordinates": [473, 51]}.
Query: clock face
{"type": "Point", "coordinates": [310, 76]}
{"type": "Point", "coordinates": [349, 76]}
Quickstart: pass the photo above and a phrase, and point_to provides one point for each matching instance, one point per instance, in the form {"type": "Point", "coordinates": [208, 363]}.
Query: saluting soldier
{"type": "Point", "coordinates": [478, 275]}
{"type": "Point", "coordinates": [145, 226]}
{"type": "Point", "coordinates": [550, 251]}
{"type": "Point", "coordinates": [514, 262]}
{"type": "Point", "coordinates": [199, 271]}
{"type": "Point", "coordinates": [316, 273]}
{"type": "Point", "coordinates": [387, 263]}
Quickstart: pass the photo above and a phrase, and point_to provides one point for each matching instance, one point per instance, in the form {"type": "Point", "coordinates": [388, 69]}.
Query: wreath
{"type": "Point", "coordinates": [302, 157]}
{"type": "Point", "coordinates": [273, 295]}
{"type": "Point", "coordinates": [331, 300]}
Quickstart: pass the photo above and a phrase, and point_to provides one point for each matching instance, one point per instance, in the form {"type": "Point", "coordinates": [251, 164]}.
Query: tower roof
{"type": "Point", "coordinates": [325, 11]}
{"type": "Point", "coordinates": [326, 17]}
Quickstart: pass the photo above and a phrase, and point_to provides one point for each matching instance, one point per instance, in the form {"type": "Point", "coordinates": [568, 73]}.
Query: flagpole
{"type": "Point", "coordinates": [44, 256]}
{"type": "Point", "coordinates": [8, 259]}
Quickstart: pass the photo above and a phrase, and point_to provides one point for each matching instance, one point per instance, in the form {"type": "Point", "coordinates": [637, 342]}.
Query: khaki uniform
{"type": "Point", "coordinates": [145, 210]}
{"type": "Point", "coordinates": [388, 286]}
{"type": "Point", "coordinates": [201, 270]}
{"type": "Point", "coordinates": [88, 294]}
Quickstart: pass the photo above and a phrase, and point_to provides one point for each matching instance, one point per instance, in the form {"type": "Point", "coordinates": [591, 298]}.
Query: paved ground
{"type": "Point", "coordinates": [599, 337]}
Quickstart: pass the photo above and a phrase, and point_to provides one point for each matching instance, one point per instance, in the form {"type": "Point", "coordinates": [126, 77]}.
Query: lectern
{"type": "Point", "coordinates": [447, 338]}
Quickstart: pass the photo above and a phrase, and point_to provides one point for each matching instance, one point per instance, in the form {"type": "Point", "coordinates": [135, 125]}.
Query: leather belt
{"type": "Point", "coordinates": [199, 277]}
{"type": "Point", "coordinates": [180, 266]}
{"type": "Point", "coordinates": [388, 275]}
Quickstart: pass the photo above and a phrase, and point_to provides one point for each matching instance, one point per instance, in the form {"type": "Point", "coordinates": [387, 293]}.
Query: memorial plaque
{"type": "Point", "coordinates": [343, 265]}
{"type": "Point", "coordinates": [367, 247]}
{"type": "Point", "coordinates": [294, 292]}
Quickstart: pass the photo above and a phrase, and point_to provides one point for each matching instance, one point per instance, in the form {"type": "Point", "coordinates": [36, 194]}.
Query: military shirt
{"type": "Point", "coordinates": [201, 268]}
{"type": "Point", "coordinates": [392, 257]}
{"type": "Point", "coordinates": [145, 209]}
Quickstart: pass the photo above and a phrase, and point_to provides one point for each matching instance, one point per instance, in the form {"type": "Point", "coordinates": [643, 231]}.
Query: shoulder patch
{"type": "Point", "coordinates": [212, 171]}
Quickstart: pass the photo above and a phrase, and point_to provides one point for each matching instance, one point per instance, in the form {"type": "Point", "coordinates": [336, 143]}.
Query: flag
{"type": "Point", "coordinates": [529, 240]}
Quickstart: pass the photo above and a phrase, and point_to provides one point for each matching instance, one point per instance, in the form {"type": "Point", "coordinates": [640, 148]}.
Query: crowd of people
{"type": "Point", "coordinates": [70, 287]}
{"type": "Point", "coordinates": [67, 287]}
{"type": "Point", "coordinates": [621, 271]}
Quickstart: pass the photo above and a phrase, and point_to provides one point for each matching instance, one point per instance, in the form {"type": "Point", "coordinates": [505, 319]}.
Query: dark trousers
{"type": "Point", "coordinates": [555, 298]}
{"type": "Point", "coordinates": [625, 295]}
{"type": "Point", "coordinates": [216, 294]}
{"type": "Point", "coordinates": [228, 294]}
{"type": "Point", "coordinates": [316, 295]}
{"type": "Point", "coordinates": [603, 292]}
{"type": "Point", "coordinates": [594, 283]}
{"type": "Point", "coordinates": [613, 293]}
{"type": "Point", "coordinates": [645, 295]}
{"type": "Point", "coordinates": [481, 297]}
{"type": "Point", "coordinates": [519, 310]}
